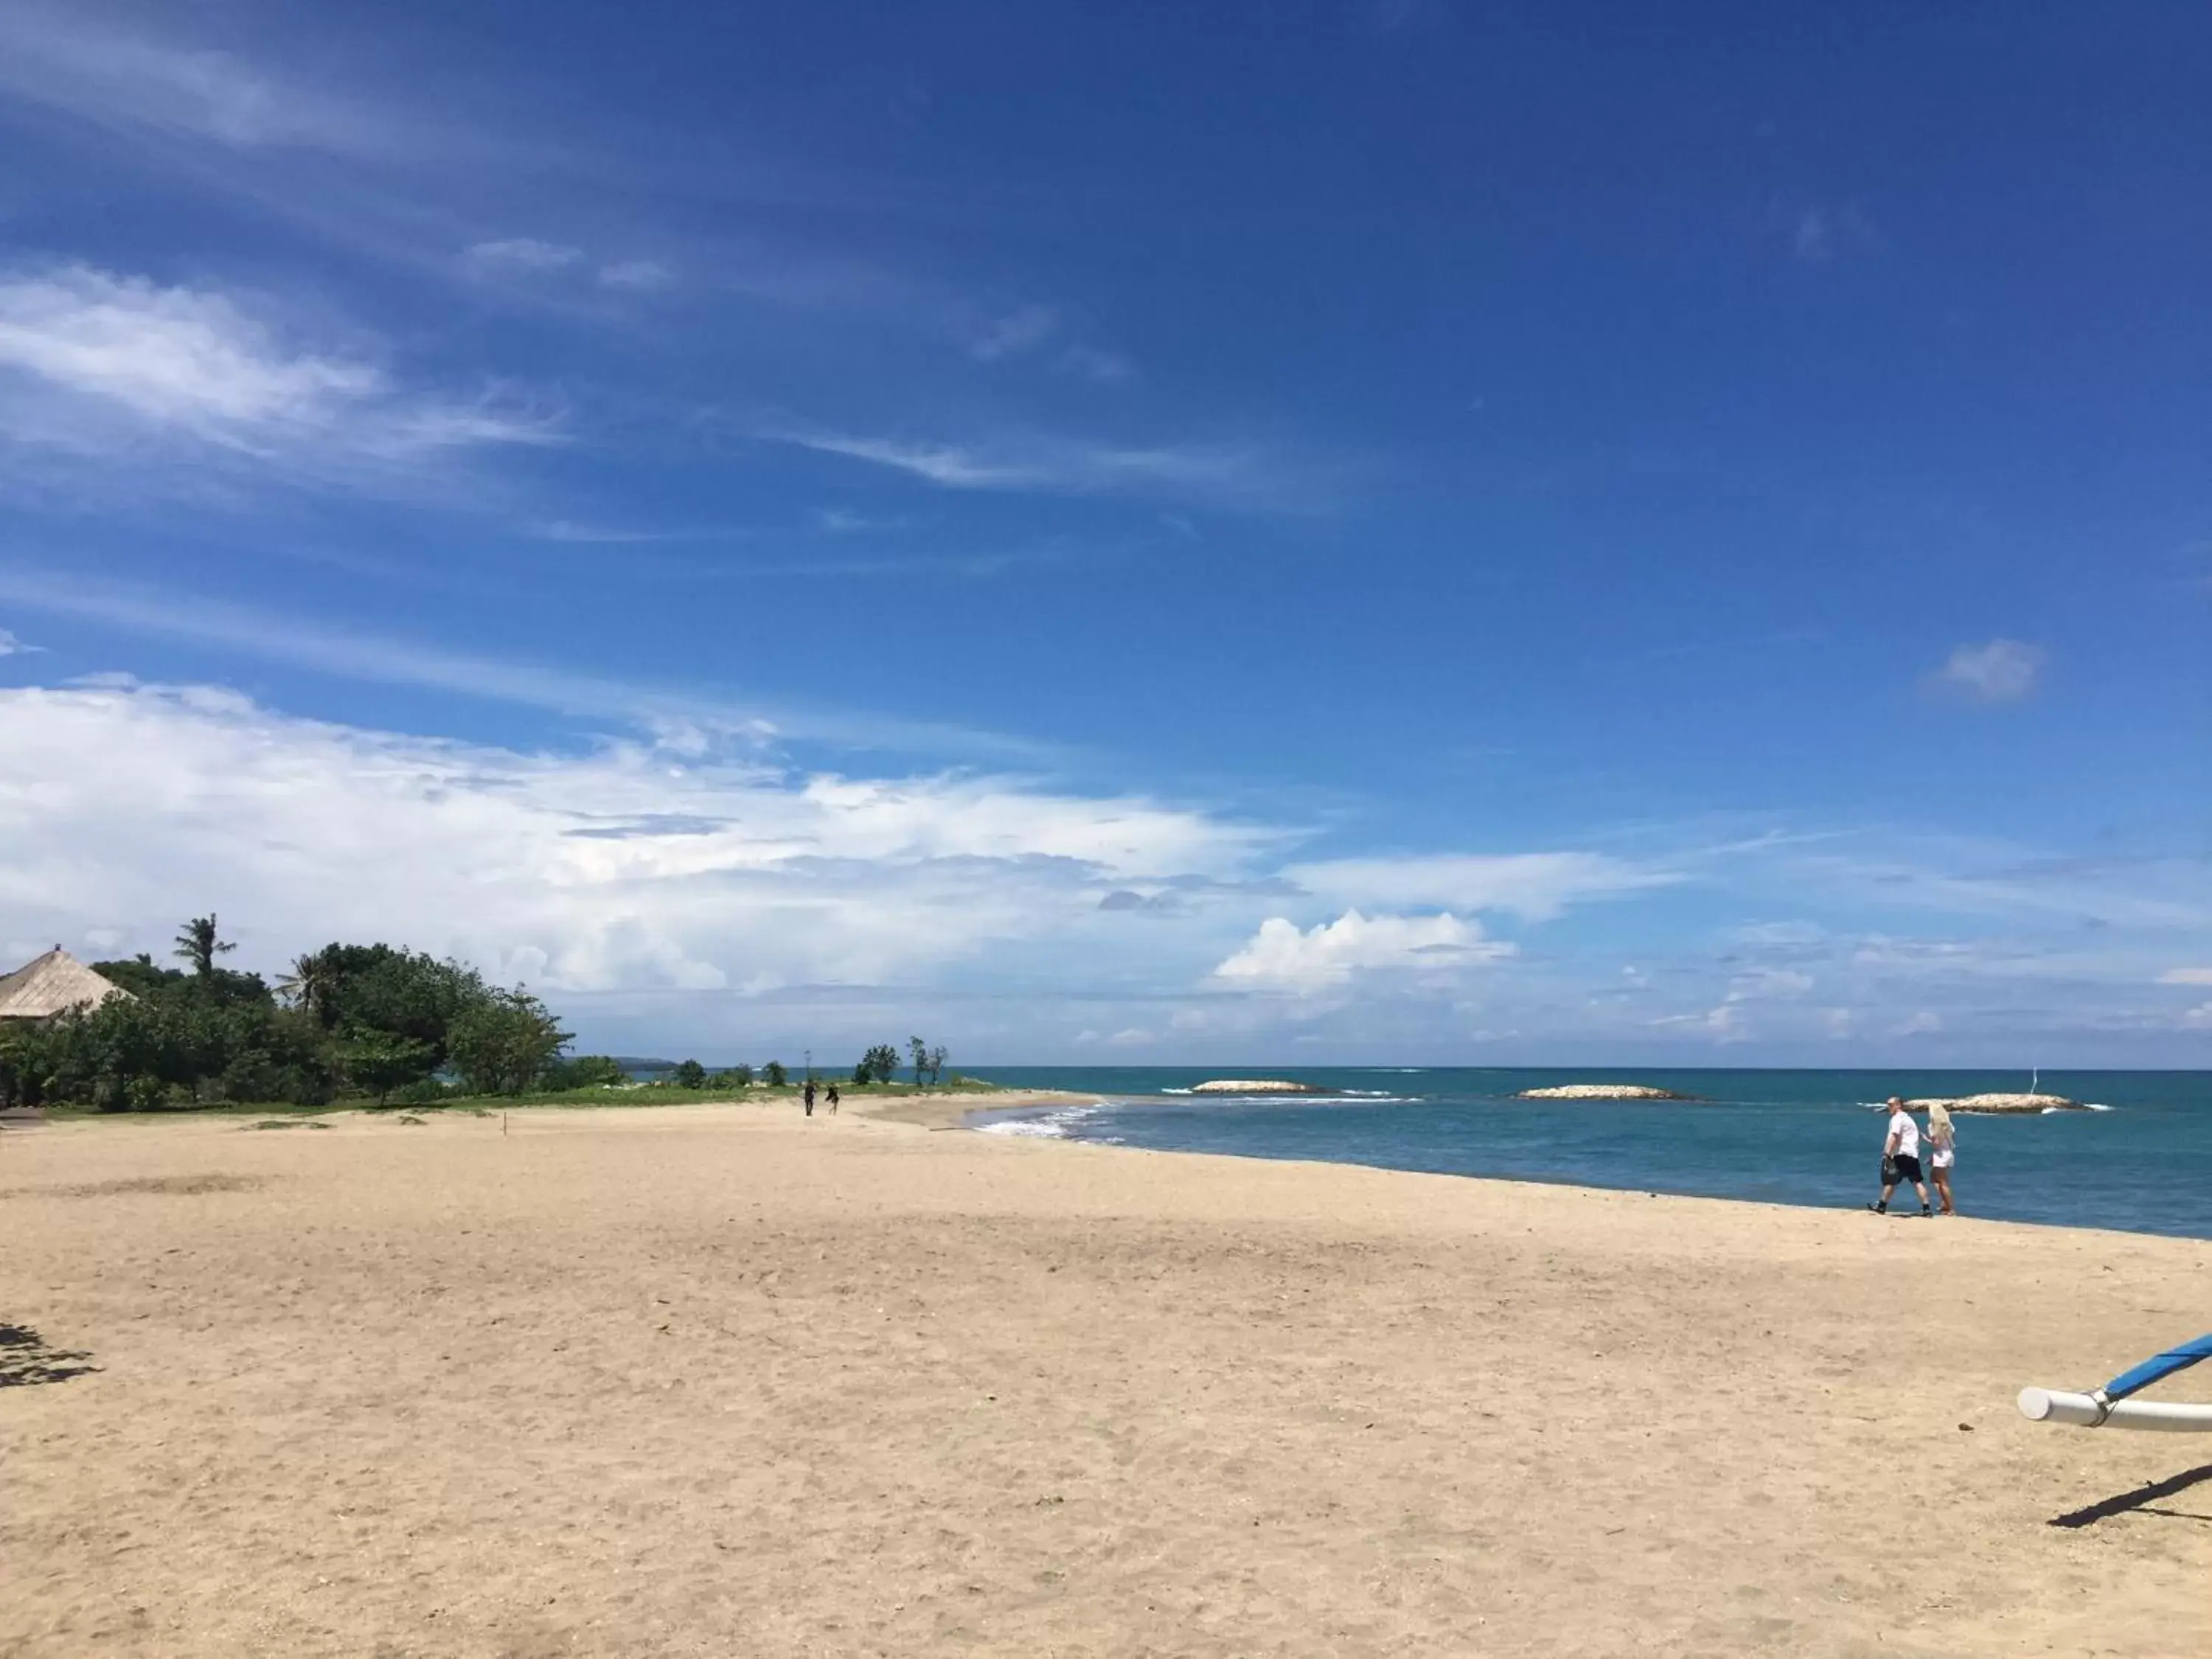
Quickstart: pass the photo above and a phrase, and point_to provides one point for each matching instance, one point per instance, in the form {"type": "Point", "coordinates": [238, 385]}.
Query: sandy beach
{"type": "Point", "coordinates": [719, 1380]}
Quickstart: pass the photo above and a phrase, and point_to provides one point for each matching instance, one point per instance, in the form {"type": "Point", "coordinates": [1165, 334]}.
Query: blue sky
{"type": "Point", "coordinates": [1384, 531]}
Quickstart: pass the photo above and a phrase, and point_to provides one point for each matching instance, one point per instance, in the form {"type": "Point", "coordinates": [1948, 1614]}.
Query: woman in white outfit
{"type": "Point", "coordinates": [1942, 1141]}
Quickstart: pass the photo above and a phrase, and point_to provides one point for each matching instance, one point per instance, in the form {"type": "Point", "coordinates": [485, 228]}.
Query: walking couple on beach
{"type": "Point", "coordinates": [1900, 1155]}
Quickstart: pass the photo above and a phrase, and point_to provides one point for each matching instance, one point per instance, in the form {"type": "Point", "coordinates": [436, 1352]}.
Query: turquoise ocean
{"type": "Point", "coordinates": [2141, 1161]}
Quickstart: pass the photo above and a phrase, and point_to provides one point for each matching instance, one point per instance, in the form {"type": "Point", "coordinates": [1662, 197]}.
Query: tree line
{"type": "Point", "coordinates": [881, 1063]}
{"type": "Point", "coordinates": [379, 1022]}
{"type": "Point", "coordinates": [371, 1020]}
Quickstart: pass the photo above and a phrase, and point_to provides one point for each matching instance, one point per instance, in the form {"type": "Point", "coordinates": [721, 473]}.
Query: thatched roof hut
{"type": "Point", "coordinates": [52, 984]}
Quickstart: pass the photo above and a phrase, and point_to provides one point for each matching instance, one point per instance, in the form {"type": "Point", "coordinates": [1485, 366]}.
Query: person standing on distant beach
{"type": "Point", "coordinates": [1900, 1158]}
{"type": "Point", "coordinates": [833, 1100]}
{"type": "Point", "coordinates": [1942, 1146]}
{"type": "Point", "coordinates": [810, 1096]}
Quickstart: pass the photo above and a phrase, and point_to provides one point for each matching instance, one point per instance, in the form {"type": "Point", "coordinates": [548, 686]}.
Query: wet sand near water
{"type": "Point", "coordinates": [722, 1380]}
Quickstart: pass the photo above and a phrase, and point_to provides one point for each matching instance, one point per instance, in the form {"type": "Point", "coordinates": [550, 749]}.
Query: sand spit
{"type": "Point", "coordinates": [1602, 1091]}
{"type": "Point", "coordinates": [2000, 1102]}
{"type": "Point", "coordinates": [717, 1379]}
{"type": "Point", "coordinates": [1264, 1086]}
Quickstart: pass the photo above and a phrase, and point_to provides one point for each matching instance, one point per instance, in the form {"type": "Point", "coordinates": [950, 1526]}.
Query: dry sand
{"type": "Point", "coordinates": [719, 1380]}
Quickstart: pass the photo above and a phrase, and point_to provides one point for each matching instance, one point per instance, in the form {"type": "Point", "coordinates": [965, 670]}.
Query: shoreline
{"type": "Point", "coordinates": [1904, 1209]}
{"type": "Point", "coordinates": [960, 1110]}
{"type": "Point", "coordinates": [937, 1114]}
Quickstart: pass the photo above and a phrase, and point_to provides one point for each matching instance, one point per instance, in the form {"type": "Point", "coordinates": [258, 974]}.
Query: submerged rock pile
{"type": "Point", "coordinates": [1602, 1091]}
{"type": "Point", "coordinates": [2000, 1103]}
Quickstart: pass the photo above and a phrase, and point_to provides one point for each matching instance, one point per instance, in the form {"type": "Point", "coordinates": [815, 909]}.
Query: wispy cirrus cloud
{"type": "Point", "coordinates": [528, 258]}
{"type": "Point", "coordinates": [637, 276]}
{"type": "Point", "coordinates": [1536, 886]}
{"type": "Point", "coordinates": [1021, 329]}
{"type": "Point", "coordinates": [1238, 475]}
{"type": "Point", "coordinates": [1995, 671]}
{"type": "Point", "coordinates": [324, 648]}
{"type": "Point", "coordinates": [94, 363]}
{"type": "Point", "coordinates": [75, 60]}
{"type": "Point", "coordinates": [1043, 331]}
{"type": "Point", "coordinates": [521, 253]}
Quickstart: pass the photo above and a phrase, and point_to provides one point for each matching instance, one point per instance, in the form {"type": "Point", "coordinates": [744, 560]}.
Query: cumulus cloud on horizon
{"type": "Point", "coordinates": [638, 876]}
{"type": "Point", "coordinates": [1280, 957]}
{"type": "Point", "coordinates": [632, 865]}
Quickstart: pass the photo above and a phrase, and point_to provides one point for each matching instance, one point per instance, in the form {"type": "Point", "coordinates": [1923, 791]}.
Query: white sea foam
{"type": "Point", "coordinates": [1178, 1091]}
{"type": "Point", "coordinates": [2092, 1106]}
{"type": "Point", "coordinates": [1059, 1125]}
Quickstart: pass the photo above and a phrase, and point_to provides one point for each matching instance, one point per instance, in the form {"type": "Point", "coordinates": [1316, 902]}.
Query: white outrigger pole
{"type": "Point", "coordinates": [2110, 1406]}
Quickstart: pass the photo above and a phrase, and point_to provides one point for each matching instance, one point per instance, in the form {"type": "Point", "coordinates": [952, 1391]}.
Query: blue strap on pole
{"type": "Point", "coordinates": [2162, 1364]}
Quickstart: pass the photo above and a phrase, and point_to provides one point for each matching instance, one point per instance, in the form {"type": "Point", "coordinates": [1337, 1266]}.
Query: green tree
{"type": "Point", "coordinates": [505, 1042]}
{"type": "Point", "coordinates": [880, 1062]}
{"type": "Point", "coordinates": [22, 1063]}
{"type": "Point", "coordinates": [313, 983]}
{"type": "Point", "coordinates": [141, 975]}
{"type": "Point", "coordinates": [586, 1072]}
{"type": "Point", "coordinates": [199, 944]}
{"type": "Point", "coordinates": [918, 1052]}
{"type": "Point", "coordinates": [739, 1076]}
{"type": "Point", "coordinates": [410, 993]}
{"type": "Point", "coordinates": [377, 1062]}
{"type": "Point", "coordinates": [777, 1076]}
{"type": "Point", "coordinates": [690, 1075]}
{"type": "Point", "coordinates": [937, 1065]}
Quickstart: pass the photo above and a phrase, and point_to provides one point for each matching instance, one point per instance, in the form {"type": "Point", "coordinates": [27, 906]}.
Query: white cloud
{"type": "Point", "coordinates": [2198, 1018]}
{"type": "Point", "coordinates": [949, 464]}
{"type": "Point", "coordinates": [2001, 671]}
{"type": "Point", "coordinates": [63, 58]}
{"type": "Point", "coordinates": [529, 259]}
{"type": "Point", "coordinates": [1925, 1023]}
{"type": "Point", "coordinates": [1730, 1019]}
{"type": "Point", "coordinates": [634, 866]}
{"type": "Point", "coordinates": [1534, 885]}
{"type": "Point", "coordinates": [2186, 976]}
{"type": "Point", "coordinates": [1028, 329]}
{"type": "Point", "coordinates": [277, 636]}
{"type": "Point", "coordinates": [1018, 332]}
{"type": "Point", "coordinates": [524, 254]}
{"type": "Point", "coordinates": [96, 363]}
{"type": "Point", "coordinates": [1106, 367]}
{"type": "Point", "coordinates": [10, 646]}
{"type": "Point", "coordinates": [639, 276]}
{"type": "Point", "coordinates": [1280, 957]}
{"type": "Point", "coordinates": [1228, 474]}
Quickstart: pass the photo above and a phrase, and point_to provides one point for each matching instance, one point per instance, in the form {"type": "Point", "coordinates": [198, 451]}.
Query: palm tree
{"type": "Point", "coordinates": [310, 984]}
{"type": "Point", "coordinates": [199, 945]}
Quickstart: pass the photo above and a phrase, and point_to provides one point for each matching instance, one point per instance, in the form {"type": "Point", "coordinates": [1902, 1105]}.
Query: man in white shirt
{"type": "Point", "coordinates": [1900, 1157]}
